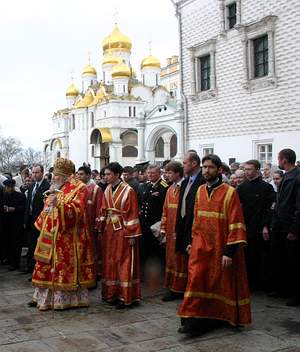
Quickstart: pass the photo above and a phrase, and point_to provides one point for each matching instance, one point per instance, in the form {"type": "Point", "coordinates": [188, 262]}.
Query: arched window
{"type": "Point", "coordinates": [129, 144]}
{"type": "Point", "coordinates": [129, 151]}
{"type": "Point", "coordinates": [159, 148]}
{"type": "Point", "coordinates": [173, 146]}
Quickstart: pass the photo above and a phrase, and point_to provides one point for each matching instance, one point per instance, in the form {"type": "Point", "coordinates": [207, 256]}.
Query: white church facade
{"type": "Point", "coordinates": [240, 77]}
{"type": "Point", "coordinates": [117, 117]}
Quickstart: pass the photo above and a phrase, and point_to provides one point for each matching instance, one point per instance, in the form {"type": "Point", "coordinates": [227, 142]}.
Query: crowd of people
{"type": "Point", "coordinates": [212, 231]}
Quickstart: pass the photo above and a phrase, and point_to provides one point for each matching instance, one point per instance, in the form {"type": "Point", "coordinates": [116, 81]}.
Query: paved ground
{"type": "Point", "coordinates": [150, 327]}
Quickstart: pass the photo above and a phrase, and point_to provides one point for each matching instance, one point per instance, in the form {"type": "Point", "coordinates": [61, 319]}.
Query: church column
{"type": "Point", "coordinates": [141, 140]}
{"type": "Point", "coordinates": [180, 135]}
{"type": "Point", "coordinates": [115, 152]}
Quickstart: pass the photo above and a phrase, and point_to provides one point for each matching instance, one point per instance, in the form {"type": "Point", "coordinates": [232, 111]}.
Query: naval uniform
{"type": "Point", "coordinates": [152, 202]}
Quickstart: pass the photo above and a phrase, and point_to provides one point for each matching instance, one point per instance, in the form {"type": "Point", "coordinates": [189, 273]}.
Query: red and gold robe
{"type": "Point", "coordinates": [94, 204]}
{"type": "Point", "coordinates": [213, 291]}
{"type": "Point", "coordinates": [120, 260]}
{"type": "Point", "coordinates": [65, 253]}
{"type": "Point", "coordinates": [176, 263]}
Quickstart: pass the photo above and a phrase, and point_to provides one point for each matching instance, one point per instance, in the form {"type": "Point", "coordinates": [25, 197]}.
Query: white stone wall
{"type": "Point", "coordinates": [237, 117]}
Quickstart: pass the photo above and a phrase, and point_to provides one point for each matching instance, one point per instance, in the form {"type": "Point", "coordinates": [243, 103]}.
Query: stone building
{"type": "Point", "coordinates": [240, 76]}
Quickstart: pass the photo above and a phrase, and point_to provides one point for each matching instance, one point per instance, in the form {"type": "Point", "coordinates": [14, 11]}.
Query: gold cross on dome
{"type": "Point", "coordinates": [89, 57]}
{"type": "Point", "coordinates": [72, 75]}
{"type": "Point", "coordinates": [116, 14]}
{"type": "Point", "coordinates": [150, 47]}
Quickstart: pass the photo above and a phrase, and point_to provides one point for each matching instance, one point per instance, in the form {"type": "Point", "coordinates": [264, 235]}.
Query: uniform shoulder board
{"type": "Point", "coordinates": [164, 183]}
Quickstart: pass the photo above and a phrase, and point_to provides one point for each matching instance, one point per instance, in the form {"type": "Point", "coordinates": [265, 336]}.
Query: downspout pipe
{"type": "Point", "coordinates": [183, 96]}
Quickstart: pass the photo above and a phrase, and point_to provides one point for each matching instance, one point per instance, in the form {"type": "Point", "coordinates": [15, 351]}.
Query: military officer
{"type": "Point", "coordinates": [152, 202]}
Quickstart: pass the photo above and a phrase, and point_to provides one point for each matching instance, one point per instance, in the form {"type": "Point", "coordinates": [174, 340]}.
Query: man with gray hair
{"type": "Point", "coordinates": [152, 201]}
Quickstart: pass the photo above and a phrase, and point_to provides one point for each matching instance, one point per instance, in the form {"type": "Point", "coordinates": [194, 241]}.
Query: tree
{"type": "Point", "coordinates": [13, 155]}
{"type": "Point", "coordinates": [31, 157]}
{"type": "Point", "coordinates": [10, 154]}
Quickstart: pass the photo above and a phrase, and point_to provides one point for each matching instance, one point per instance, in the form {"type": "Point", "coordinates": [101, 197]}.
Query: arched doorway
{"type": "Point", "coordinates": [47, 157]}
{"type": "Point", "coordinates": [129, 147]}
{"type": "Point", "coordinates": [161, 144]}
{"type": "Point", "coordinates": [100, 147]}
{"type": "Point", "coordinates": [56, 148]}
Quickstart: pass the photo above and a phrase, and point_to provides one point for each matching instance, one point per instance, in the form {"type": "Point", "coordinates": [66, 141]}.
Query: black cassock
{"type": "Point", "coordinates": [13, 227]}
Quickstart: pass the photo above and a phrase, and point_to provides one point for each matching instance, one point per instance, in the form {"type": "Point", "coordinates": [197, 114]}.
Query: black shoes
{"type": "Point", "coordinates": [122, 305]}
{"type": "Point", "coordinates": [293, 302]}
{"type": "Point", "coordinates": [31, 304]}
{"type": "Point", "coordinates": [195, 327]}
{"type": "Point", "coordinates": [172, 296]}
{"type": "Point", "coordinates": [25, 272]}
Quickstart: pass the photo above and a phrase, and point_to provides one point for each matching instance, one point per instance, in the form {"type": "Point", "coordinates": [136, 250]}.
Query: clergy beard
{"type": "Point", "coordinates": [210, 178]}
{"type": "Point", "coordinates": [57, 185]}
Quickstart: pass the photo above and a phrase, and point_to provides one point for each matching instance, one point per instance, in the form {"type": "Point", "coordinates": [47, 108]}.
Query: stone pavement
{"type": "Point", "coordinates": [150, 327]}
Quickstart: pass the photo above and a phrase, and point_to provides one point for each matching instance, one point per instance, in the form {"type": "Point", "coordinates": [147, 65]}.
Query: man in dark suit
{"type": "Point", "coordinates": [185, 210]}
{"type": "Point", "coordinates": [35, 204]}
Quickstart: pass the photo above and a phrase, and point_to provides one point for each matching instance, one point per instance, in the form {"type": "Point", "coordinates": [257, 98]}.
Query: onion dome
{"type": "Point", "coordinates": [72, 91]}
{"type": "Point", "coordinates": [121, 70]}
{"type": "Point", "coordinates": [110, 60]}
{"type": "Point", "coordinates": [150, 62]}
{"type": "Point", "coordinates": [89, 70]}
{"type": "Point", "coordinates": [117, 41]}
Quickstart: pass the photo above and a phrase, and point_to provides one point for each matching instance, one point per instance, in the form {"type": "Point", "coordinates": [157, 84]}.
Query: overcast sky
{"type": "Point", "coordinates": [42, 41]}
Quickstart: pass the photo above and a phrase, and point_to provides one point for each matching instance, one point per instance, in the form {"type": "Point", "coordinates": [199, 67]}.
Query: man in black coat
{"type": "Point", "coordinates": [13, 222]}
{"type": "Point", "coordinates": [35, 204]}
{"type": "Point", "coordinates": [152, 201]}
{"type": "Point", "coordinates": [286, 230]}
{"type": "Point", "coordinates": [257, 198]}
{"type": "Point", "coordinates": [185, 210]}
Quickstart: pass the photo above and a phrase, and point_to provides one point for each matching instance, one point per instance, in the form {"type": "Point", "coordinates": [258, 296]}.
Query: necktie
{"type": "Point", "coordinates": [186, 191]}
{"type": "Point", "coordinates": [36, 186]}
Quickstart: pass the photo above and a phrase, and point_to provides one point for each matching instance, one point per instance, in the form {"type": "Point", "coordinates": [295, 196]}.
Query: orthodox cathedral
{"type": "Point", "coordinates": [118, 115]}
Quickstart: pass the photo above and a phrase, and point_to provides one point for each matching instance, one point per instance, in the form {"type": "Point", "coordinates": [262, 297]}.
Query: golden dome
{"type": "Point", "coordinates": [72, 91]}
{"type": "Point", "coordinates": [150, 61]}
{"type": "Point", "coordinates": [121, 70]}
{"type": "Point", "coordinates": [89, 70]}
{"type": "Point", "coordinates": [86, 101]}
{"type": "Point", "coordinates": [116, 41]}
{"type": "Point", "coordinates": [111, 60]}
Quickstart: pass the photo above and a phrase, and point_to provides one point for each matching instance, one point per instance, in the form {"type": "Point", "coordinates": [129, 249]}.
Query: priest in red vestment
{"type": "Point", "coordinates": [217, 288]}
{"type": "Point", "coordinates": [65, 265]}
{"type": "Point", "coordinates": [120, 234]}
{"type": "Point", "coordinates": [94, 203]}
{"type": "Point", "coordinates": [176, 262]}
